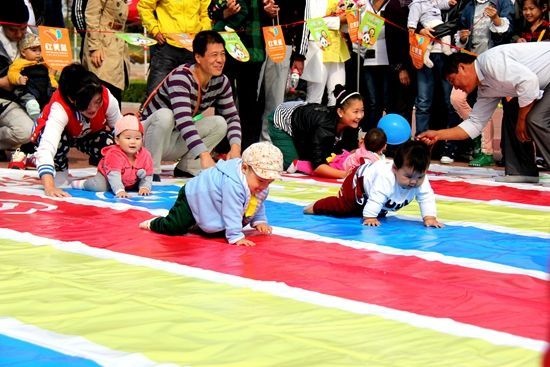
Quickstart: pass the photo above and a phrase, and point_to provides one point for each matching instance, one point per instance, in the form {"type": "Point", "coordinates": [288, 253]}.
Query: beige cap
{"type": "Point", "coordinates": [265, 159]}
{"type": "Point", "coordinates": [29, 40]}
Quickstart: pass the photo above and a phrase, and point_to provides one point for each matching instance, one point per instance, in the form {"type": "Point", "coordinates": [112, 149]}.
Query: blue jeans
{"type": "Point", "coordinates": [376, 79]}
{"type": "Point", "coordinates": [164, 59]}
{"type": "Point", "coordinates": [426, 85]}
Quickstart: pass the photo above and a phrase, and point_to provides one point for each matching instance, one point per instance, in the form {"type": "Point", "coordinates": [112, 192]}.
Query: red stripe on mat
{"type": "Point", "coordinates": [473, 191]}
{"type": "Point", "coordinates": [516, 304]}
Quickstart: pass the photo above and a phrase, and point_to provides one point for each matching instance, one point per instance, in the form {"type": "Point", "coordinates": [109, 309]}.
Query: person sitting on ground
{"type": "Point", "coordinates": [15, 124]}
{"type": "Point", "coordinates": [176, 126]}
{"type": "Point", "coordinates": [34, 81]}
{"type": "Point", "coordinates": [76, 116]}
{"type": "Point", "coordinates": [373, 189]}
{"type": "Point", "coordinates": [225, 197]}
{"type": "Point", "coordinates": [513, 70]}
{"type": "Point", "coordinates": [371, 148]}
{"type": "Point", "coordinates": [312, 132]}
{"type": "Point", "coordinates": [125, 166]}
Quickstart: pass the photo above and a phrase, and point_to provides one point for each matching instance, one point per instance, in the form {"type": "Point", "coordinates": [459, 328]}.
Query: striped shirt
{"type": "Point", "coordinates": [282, 117]}
{"type": "Point", "coordinates": [179, 94]}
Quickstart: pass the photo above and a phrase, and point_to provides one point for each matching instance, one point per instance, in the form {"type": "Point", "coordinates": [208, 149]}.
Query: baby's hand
{"type": "Point", "coordinates": [432, 222]}
{"type": "Point", "coordinates": [22, 80]}
{"type": "Point", "coordinates": [452, 2]}
{"type": "Point", "coordinates": [371, 222]}
{"type": "Point", "coordinates": [264, 228]}
{"type": "Point", "coordinates": [144, 191]}
{"type": "Point", "coordinates": [244, 242]}
{"type": "Point", "coordinates": [122, 194]}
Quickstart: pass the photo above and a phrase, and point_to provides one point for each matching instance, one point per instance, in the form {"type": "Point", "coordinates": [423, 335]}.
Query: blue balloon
{"type": "Point", "coordinates": [396, 127]}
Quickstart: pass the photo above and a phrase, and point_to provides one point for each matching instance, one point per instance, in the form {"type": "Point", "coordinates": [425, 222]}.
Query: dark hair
{"type": "Point", "coordinates": [16, 12]}
{"type": "Point", "coordinates": [413, 153]}
{"type": "Point", "coordinates": [78, 86]}
{"type": "Point", "coordinates": [541, 4]}
{"type": "Point", "coordinates": [203, 38]}
{"type": "Point", "coordinates": [375, 139]}
{"type": "Point", "coordinates": [450, 64]}
{"type": "Point", "coordinates": [343, 96]}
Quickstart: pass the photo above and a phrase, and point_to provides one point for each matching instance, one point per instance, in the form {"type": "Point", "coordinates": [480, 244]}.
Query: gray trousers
{"type": "Point", "coordinates": [15, 125]}
{"type": "Point", "coordinates": [275, 78]}
{"type": "Point", "coordinates": [519, 157]}
{"type": "Point", "coordinates": [166, 144]}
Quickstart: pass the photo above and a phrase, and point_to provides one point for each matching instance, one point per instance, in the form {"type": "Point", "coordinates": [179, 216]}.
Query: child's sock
{"type": "Point", "coordinates": [78, 184]}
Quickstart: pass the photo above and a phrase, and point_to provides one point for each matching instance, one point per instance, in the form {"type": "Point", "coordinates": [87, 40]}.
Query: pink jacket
{"type": "Point", "coordinates": [114, 159]}
{"type": "Point", "coordinates": [360, 156]}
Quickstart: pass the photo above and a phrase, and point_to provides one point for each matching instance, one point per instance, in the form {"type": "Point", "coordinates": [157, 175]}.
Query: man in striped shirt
{"type": "Point", "coordinates": [174, 125]}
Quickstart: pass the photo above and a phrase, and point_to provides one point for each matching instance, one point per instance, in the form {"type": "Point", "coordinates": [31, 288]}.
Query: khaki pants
{"type": "Point", "coordinates": [165, 143]}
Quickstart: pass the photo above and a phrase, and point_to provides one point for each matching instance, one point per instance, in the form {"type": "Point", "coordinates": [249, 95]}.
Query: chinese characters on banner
{"type": "Point", "coordinates": [352, 16]}
{"type": "Point", "coordinates": [56, 46]}
{"type": "Point", "coordinates": [275, 46]}
{"type": "Point", "coordinates": [418, 46]}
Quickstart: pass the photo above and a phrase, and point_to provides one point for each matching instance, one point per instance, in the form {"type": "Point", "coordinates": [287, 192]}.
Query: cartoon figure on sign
{"type": "Point", "coordinates": [365, 36]}
{"type": "Point", "coordinates": [238, 52]}
{"type": "Point", "coordinates": [372, 37]}
{"type": "Point", "coordinates": [323, 40]}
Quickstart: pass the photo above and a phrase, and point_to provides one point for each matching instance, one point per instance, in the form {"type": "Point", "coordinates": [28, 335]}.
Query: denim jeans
{"type": "Point", "coordinates": [165, 58]}
{"type": "Point", "coordinates": [376, 79]}
{"type": "Point", "coordinates": [426, 85]}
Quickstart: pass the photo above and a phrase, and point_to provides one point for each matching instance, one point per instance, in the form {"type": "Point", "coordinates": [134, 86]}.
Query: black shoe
{"type": "Point", "coordinates": [179, 173]}
{"type": "Point", "coordinates": [156, 178]}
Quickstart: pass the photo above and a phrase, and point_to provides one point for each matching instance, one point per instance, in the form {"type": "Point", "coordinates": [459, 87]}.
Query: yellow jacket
{"type": "Point", "coordinates": [174, 16]}
{"type": "Point", "coordinates": [14, 72]}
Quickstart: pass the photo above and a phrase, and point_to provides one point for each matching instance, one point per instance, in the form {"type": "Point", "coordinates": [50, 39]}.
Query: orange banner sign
{"type": "Point", "coordinates": [352, 17]}
{"type": "Point", "coordinates": [418, 46]}
{"type": "Point", "coordinates": [275, 46]}
{"type": "Point", "coordinates": [56, 46]}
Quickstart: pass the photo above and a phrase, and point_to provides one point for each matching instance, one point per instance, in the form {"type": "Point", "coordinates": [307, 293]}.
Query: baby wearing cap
{"type": "Point", "coordinates": [33, 80]}
{"type": "Point", "coordinates": [225, 197]}
{"type": "Point", "coordinates": [125, 166]}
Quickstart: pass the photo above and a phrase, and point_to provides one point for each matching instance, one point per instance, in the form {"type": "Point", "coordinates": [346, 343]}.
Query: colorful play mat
{"type": "Point", "coordinates": [82, 285]}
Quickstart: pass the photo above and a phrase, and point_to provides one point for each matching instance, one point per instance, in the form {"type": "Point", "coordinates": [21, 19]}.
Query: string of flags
{"type": "Point", "coordinates": [363, 30]}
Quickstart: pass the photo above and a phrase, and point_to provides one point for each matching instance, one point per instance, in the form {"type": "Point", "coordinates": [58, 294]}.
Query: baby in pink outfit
{"type": "Point", "coordinates": [371, 147]}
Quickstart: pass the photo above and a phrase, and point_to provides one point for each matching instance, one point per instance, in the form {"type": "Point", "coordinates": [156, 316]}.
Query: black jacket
{"type": "Point", "coordinates": [314, 133]}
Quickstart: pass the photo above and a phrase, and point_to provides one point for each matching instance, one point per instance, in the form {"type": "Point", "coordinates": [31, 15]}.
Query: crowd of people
{"type": "Point", "coordinates": [203, 106]}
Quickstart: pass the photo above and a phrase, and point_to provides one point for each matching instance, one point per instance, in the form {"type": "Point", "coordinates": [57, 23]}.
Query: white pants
{"type": "Point", "coordinates": [15, 125]}
{"type": "Point", "coordinates": [332, 73]}
{"type": "Point", "coordinates": [165, 142]}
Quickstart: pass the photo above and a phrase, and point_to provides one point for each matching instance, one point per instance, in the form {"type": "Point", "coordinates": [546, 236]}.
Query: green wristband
{"type": "Point", "coordinates": [198, 117]}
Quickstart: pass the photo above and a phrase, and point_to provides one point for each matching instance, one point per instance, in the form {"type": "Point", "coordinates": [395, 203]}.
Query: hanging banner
{"type": "Point", "coordinates": [319, 31]}
{"type": "Point", "coordinates": [352, 17]}
{"type": "Point", "coordinates": [235, 47]}
{"type": "Point", "coordinates": [56, 46]}
{"type": "Point", "coordinates": [370, 27]}
{"type": "Point", "coordinates": [185, 40]}
{"type": "Point", "coordinates": [275, 45]}
{"type": "Point", "coordinates": [418, 46]}
{"type": "Point", "coordinates": [136, 39]}
{"type": "Point", "coordinates": [348, 5]}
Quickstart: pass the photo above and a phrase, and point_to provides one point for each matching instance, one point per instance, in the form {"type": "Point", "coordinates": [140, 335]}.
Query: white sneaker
{"type": "Point", "coordinates": [446, 160]}
{"type": "Point", "coordinates": [292, 167]}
